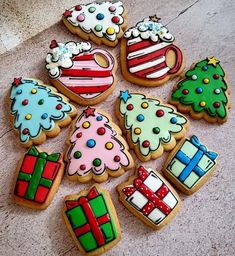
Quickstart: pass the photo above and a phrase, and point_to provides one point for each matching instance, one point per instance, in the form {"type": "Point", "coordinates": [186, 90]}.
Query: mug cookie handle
{"type": "Point", "coordinates": [179, 59]}
{"type": "Point", "coordinates": [107, 56]}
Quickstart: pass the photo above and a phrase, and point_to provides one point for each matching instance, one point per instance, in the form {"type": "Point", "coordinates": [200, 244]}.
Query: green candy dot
{"type": "Point", "coordinates": [156, 130]}
{"type": "Point", "coordinates": [77, 154]}
{"type": "Point", "coordinates": [91, 9]}
{"type": "Point", "coordinates": [97, 162]}
{"type": "Point", "coordinates": [40, 102]}
{"type": "Point", "coordinates": [98, 28]}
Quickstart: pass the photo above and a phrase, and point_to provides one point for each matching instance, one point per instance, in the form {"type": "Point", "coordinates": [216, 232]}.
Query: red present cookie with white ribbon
{"type": "Point", "coordinates": [149, 197]}
{"type": "Point", "coordinates": [149, 54]}
{"type": "Point", "coordinates": [85, 75]}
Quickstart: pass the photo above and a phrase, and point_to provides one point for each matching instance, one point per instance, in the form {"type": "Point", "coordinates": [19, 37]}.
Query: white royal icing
{"type": "Point", "coordinates": [61, 56]}
{"type": "Point", "coordinates": [150, 29]}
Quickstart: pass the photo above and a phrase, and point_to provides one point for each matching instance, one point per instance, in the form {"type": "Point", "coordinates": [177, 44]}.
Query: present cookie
{"type": "Point", "coordinates": [150, 125]}
{"type": "Point", "coordinates": [85, 75]}
{"type": "Point", "coordinates": [149, 55]}
{"type": "Point", "coordinates": [92, 220]}
{"type": "Point", "coordinates": [102, 23]}
{"type": "Point", "coordinates": [149, 197]}
{"type": "Point", "coordinates": [190, 165]}
{"type": "Point", "coordinates": [96, 148]}
{"type": "Point", "coordinates": [38, 177]}
{"type": "Point", "coordinates": [38, 111]}
{"type": "Point", "coordinates": [204, 93]}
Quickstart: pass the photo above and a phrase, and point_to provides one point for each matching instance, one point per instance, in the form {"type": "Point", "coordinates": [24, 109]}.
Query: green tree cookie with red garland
{"type": "Point", "coordinates": [204, 92]}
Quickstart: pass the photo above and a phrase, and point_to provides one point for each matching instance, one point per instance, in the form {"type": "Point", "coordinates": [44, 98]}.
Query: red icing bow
{"type": "Point", "coordinates": [53, 44]}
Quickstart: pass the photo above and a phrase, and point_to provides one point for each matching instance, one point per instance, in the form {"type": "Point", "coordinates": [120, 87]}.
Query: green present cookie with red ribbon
{"type": "Point", "coordinates": [92, 220]}
{"type": "Point", "coordinates": [39, 175]}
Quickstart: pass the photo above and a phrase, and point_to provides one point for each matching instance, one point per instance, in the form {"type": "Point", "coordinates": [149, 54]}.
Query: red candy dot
{"type": "Point", "coordinates": [216, 76]}
{"type": "Point", "coordinates": [146, 144]}
{"type": "Point", "coordinates": [78, 7]}
{"type": "Point", "coordinates": [25, 102]}
{"type": "Point", "coordinates": [83, 167]}
{"type": "Point", "coordinates": [160, 113]}
{"type": "Point", "coordinates": [130, 107]}
{"type": "Point", "coordinates": [25, 131]}
{"type": "Point", "coordinates": [115, 19]}
{"type": "Point", "coordinates": [216, 104]}
{"type": "Point", "coordinates": [117, 158]}
{"type": "Point", "coordinates": [79, 135]}
{"type": "Point", "coordinates": [101, 131]}
{"type": "Point", "coordinates": [185, 91]}
{"type": "Point", "coordinates": [59, 106]}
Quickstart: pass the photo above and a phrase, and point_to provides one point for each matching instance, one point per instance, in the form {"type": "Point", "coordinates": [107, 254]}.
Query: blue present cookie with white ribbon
{"type": "Point", "coordinates": [189, 165]}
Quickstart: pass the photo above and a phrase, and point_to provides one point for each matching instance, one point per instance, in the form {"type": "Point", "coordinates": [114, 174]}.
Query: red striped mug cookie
{"type": "Point", "coordinates": [85, 75]}
{"type": "Point", "coordinates": [150, 57]}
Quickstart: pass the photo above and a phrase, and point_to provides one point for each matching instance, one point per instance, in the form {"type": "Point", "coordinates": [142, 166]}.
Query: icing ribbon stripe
{"type": "Point", "coordinates": [139, 45]}
{"type": "Point", "coordinates": [84, 57]}
{"type": "Point", "coordinates": [84, 73]}
{"type": "Point", "coordinates": [88, 89]}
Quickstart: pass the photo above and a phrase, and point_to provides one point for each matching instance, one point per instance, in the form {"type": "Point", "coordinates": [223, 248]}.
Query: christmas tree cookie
{"type": "Point", "coordinates": [102, 23]}
{"type": "Point", "coordinates": [84, 75]}
{"type": "Point", "coordinates": [96, 148]}
{"type": "Point", "coordinates": [149, 54]}
{"type": "Point", "coordinates": [204, 92]}
{"type": "Point", "coordinates": [38, 111]}
{"type": "Point", "coordinates": [92, 220]}
{"type": "Point", "coordinates": [190, 165]}
{"type": "Point", "coordinates": [38, 177]}
{"type": "Point", "coordinates": [150, 125]}
{"type": "Point", "coordinates": [149, 197]}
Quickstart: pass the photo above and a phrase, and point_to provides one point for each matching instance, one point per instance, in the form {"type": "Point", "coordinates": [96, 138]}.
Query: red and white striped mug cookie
{"type": "Point", "coordinates": [84, 75]}
{"type": "Point", "coordinates": [149, 54]}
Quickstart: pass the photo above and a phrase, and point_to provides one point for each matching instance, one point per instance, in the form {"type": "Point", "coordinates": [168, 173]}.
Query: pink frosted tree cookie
{"type": "Point", "coordinates": [96, 148]}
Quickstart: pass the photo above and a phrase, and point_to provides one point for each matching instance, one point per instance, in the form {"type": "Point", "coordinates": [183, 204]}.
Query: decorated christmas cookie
{"type": "Point", "coordinates": [92, 220]}
{"type": "Point", "coordinates": [151, 126]}
{"type": "Point", "coordinates": [38, 111]}
{"type": "Point", "coordinates": [102, 23]}
{"type": "Point", "coordinates": [190, 165]}
{"type": "Point", "coordinates": [38, 177]}
{"type": "Point", "coordinates": [149, 55]}
{"type": "Point", "coordinates": [84, 75]}
{"type": "Point", "coordinates": [96, 148]}
{"type": "Point", "coordinates": [149, 197]}
{"type": "Point", "coordinates": [204, 92]}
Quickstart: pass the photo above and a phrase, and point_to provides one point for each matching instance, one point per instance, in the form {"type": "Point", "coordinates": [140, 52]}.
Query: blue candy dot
{"type": "Point", "coordinates": [19, 91]}
{"type": "Point", "coordinates": [100, 16]}
{"type": "Point", "coordinates": [199, 90]}
{"type": "Point", "coordinates": [99, 118]}
{"type": "Point", "coordinates": [173, 120]}
{"type": "Point", "coordinates": [140, 118]}
{"type": "Point", "coordinates": [204, 68]}
{"type": "Point", "coordinates": [44, 116]}
{"type": "Point", "coordinates": [91, 143]}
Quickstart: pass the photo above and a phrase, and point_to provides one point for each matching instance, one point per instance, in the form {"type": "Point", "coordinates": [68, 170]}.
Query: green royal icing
{"type": "Point", "coordinates": [208, 93]}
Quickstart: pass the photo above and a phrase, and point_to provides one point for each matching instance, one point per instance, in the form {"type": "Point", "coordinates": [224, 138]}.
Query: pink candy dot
{"type": "Point", "coordinates": [112, 8]}
{"type": "Point", "coordinates": [81, 18]}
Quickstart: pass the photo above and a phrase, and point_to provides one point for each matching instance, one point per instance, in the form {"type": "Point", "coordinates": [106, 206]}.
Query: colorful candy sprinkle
{"type": "Point", "coordinates": [91, 143]}
{"type": "Point", "coordinates": [19, 91]}
{"type": "Point", "coordinates": [130, 107]}
{"type": "Point", "coordinates": [59, 106]}
{"type": "Point", "coordinates": [41, 101]}
{"type": "Point", "coordinates": [78, 7]}
{"type": "Point", "coordinates": [204, 68]}
{"type": "Point", "coordinates": [112, 8]}
{"type": "Point", "coordinates": [159, 113]}
{"type": "Point", "coordinates": [202, 103]}
{"type": "Point", "coordinates": [115, 19]}
{"type": "Point", "coordinates": [82, 167]}
{"type": "Point", "coordinates": [99, 118]}
{"type": "Point", "coordinates": [28, 117]}
{"type": "Point", "coordinates": [109, 145]}
{"type": "Point", "coordinates": [194, 77]}
{"type": "Point", "coordinates": [137, 131]}
{"type": "Point", "coordinates": [79, 135]}
{"type": "Point", "coordinates": [98, 28]}
{"type": "Point", "coordinates": [216, 104]}
{"type": "Point", "coordinates": [101, 131]}
{"type": "Point", "coordinates": [110, 31]}
{"type": "Point", "coordinates": [140, 118]}
{"type": "Point", "coordinates": [44, 116]}
{"type": "Point", "coordinates": [185, 91]}
{"type": "Point", "coordinates": [77, 154]}
{"type": "Point", "coordinates": [146, 144]}
{"type": "Point", "coordinates": [81, 18]}
{"type": "Point", "coordinates": [92, 9]}
{"type": "Point", "coordinates": [25, 131]}
{"type": "Point", "coordinates": [199, 90]}
{"type": "Point", "coordinates": [144, 105]}
{"type": "Point", "coordinates": [217, 91]}
{"type": "Point", "coordinates": [173, 120]}
{"type": "Point", "coordinates": [100, 16]}
{"type": "Point", "coordinates": [25, 102]}
{"type": "Point", "coordinates": [33, 91]}
{"type": "Point", "coordinates": [117, 159]}
{"type": "Point", "coordinates": [216, 76]}
{"type": "Point", "coordinates": [156, 130]}
{"type": "Point", "coordinates": [206, 80]}
{"type": "Point", "coordinates": [96, 162]}
{"type": "Point", "coordinates": [86, 124]}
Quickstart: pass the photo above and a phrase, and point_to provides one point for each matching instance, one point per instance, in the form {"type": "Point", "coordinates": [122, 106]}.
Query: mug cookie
{"type": "Point", "coordinates": [85, 75]}
{"type": "Point", "coordinates": [190, 165]}
{"type": "Point", "coordinates": [149, 55]}
{"type": "Point", "coordinates": [92, 221]}
{"type": "Point", "coordinates": [102, 23]}
{"type": "Point", "coordinates": [39, 175]}
{"type": "Point", "coordinates": [150, 125]}
{"type": "Point", "coordinates": [38, 111]}
{"type": "Point", "coordinates": [204, 93]}
{"type": "Point", "coordinates": [149, 197]}
{"type": "Point", "coordinates": [96, 148]}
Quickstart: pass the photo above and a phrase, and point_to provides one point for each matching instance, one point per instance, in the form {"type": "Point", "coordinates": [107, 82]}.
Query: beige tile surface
{"type": "Point", "coordinates": [205, 225]}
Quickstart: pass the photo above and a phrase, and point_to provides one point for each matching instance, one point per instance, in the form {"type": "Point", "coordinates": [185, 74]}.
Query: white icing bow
{"type": "Point", "coordinates": [149, 28]}
{"type": "Point", "coordinates": [61, 56]}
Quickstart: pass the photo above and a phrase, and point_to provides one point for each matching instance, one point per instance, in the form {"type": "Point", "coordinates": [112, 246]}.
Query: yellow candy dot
{"type": "Point", "coordinates": [202, 103]}
{"type": "Point", "coordinates": [109, 145]}
{"type": "Point", "coordinates": [144, 105]}
{"type": "Point", "coordinates": [33, 91]}
{"type": "Point", "coordinates": [137, 131]}
{"type": "Point", "coordinates": [206, 81]}
{"type": "Point", "coordinates": [28, 116]}
{"type": "Point", "coordinates": [110, 31]}
{"type": "Point", "coordinates": [86, 125]}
